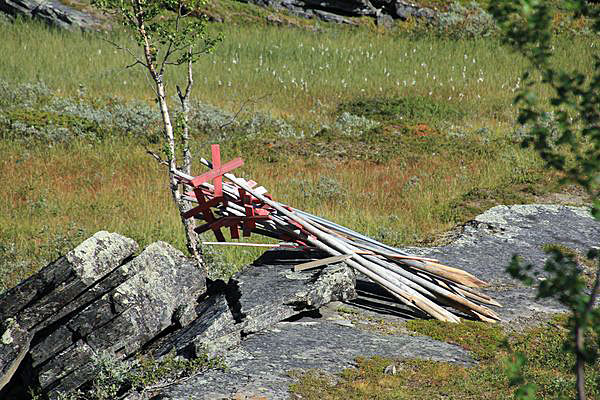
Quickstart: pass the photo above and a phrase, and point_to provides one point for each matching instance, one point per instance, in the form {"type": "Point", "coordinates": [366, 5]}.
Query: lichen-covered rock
{"type": "Point", "coordinates": [14, 344]}
{"type": "Point", "coordinates": [257, 298]}
{"type": "Point", "coordinates": [270, 293]}
{"type": "Point", "coordinates": [51, 12]}
{"type": "Point", "coordinates": [405, 10]}
{"type": "Point", "coordinates": [121, 321]}
{"type": "Point", "coordinates": [212, 333]}
{"type": "Point", "coordinates": [57, 289]}
{"type": "Point", "coordinates": [62, 287]}
{"type": "Point", "coordinates": [486, 245]}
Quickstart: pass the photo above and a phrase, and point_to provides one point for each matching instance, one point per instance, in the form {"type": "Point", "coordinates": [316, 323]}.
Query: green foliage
{"type": "Point", "coordinates": [48, 126]}
{"type": "Point", "coordinates": [38, 115]}
{"type": "Point", "coordinates": [148, 372]}
{"type": "Point", "coordinates": [514, 371]}
{"type": "Point", "coordinates": [571, 146]}
{"type": "Point", "coordinates": [547, 345]}
{"type": "Point", "coordinates": [114, 378]}
{"type": "Point", "coordinates": [163, 27]}
{"type": "Point", "coordinates": [325, 189]}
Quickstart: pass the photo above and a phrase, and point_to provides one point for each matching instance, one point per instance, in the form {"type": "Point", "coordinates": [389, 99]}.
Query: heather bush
{"type": "Point", "coordinates": [34, 113]}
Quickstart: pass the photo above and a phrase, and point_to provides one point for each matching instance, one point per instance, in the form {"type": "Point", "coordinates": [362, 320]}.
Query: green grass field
{"type": "Point", "coordinates": [444, 145]}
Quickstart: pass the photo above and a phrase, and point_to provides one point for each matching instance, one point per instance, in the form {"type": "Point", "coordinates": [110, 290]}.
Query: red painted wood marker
{"type": "Point", "coordinates": [207, 199]}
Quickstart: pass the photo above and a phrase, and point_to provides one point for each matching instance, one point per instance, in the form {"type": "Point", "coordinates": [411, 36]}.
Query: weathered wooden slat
{"type": "Point", "coordinates": [321, 263]}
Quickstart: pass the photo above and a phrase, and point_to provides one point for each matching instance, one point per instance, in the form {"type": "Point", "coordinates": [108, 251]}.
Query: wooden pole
{"type": "Point", "coordinates": [335, 247]}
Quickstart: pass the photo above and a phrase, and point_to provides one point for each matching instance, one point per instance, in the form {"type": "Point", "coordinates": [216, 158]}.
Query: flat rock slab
{"type": "Point", "coordinates": [260, 367]}
{"type": "Point", "coordinates": [485, 246]}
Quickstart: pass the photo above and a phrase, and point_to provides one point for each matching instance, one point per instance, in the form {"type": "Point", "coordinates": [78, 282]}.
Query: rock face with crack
{"type": "Point", "coordinates": [121, 321]}
{"type": "Point", "coordinates": [384, 11]}
{"type": "Point", "coordinates": [256, 299]}
{"type": "Point", "coordinates": [57, 290]}
{"type": "Point", "coordinates": [97, 298]}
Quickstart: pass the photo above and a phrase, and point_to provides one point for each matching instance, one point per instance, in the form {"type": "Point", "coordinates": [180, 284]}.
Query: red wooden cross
{"type": "Point", "coordinates": [254, 208]}
{"type": "Point", "coordinates": [216, 175]}
{"type": "Point", "coordinates": [217, 171]}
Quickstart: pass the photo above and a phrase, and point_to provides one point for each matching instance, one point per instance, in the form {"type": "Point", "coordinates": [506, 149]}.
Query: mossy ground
{"type": "Point", "coordinates": [548, 367]}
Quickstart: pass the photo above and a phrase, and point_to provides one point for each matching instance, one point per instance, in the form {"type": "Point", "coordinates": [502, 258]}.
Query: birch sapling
{"type": "Point", "coordinates": [168, 34]}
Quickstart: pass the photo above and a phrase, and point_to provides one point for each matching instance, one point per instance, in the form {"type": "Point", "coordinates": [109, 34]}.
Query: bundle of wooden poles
{"type": "Point", "coordinates": [442, 292]}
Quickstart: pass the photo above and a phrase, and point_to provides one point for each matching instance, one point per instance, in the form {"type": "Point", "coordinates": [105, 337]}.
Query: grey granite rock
{"type": "Point", "coordinates": [330, 341]}
{"type": "Point", "coordinates": [339, 11]}
{"type": "Point", "coordinates": [257, 298]}
{"type": "Point", "coordinates": [14, 345]}
{"type": "Point", "coordinates": [486, 245]}
{"type": "Point", "coordinates": [57, 289]}
{"type": "Point", "coordinates": [121, 321]}
{"type": "Point", "coordinates": [261, 366]}
{"type": "Point", "coordinates": [385, 21]}
{"type": "Point", "coordinates": [405, 10]}
{"type": "Point", "coordinates": [268, 320]}
{"type": "Point", "coordinates": [347, 8]}
{"type": "Point", "coordinates": [69, 283]}
{"type": "Point", "coordinates": [51, 12]}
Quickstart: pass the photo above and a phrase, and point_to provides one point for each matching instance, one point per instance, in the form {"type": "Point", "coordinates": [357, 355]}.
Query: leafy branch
{"type": "Point", "coordinates": [575, 152]}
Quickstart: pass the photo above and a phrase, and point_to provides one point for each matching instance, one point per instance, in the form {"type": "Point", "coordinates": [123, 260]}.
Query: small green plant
{"type": "Point", "coordinates": [461, 21]}
{"type": "Point", "coordinates": [148, 373]}
{"type": "Point", "coordinates": [353, 125]}
{"type": "Point", "coordinates": [480, 338]}
{"type": "Point", "coordinates": [114, 377]}
{"type": "Point", "coordinates": [569, 144]}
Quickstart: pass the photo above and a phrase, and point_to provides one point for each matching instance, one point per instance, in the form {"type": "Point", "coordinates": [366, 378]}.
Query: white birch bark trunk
{"type": "Point", "coordinates": [190, 234]}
